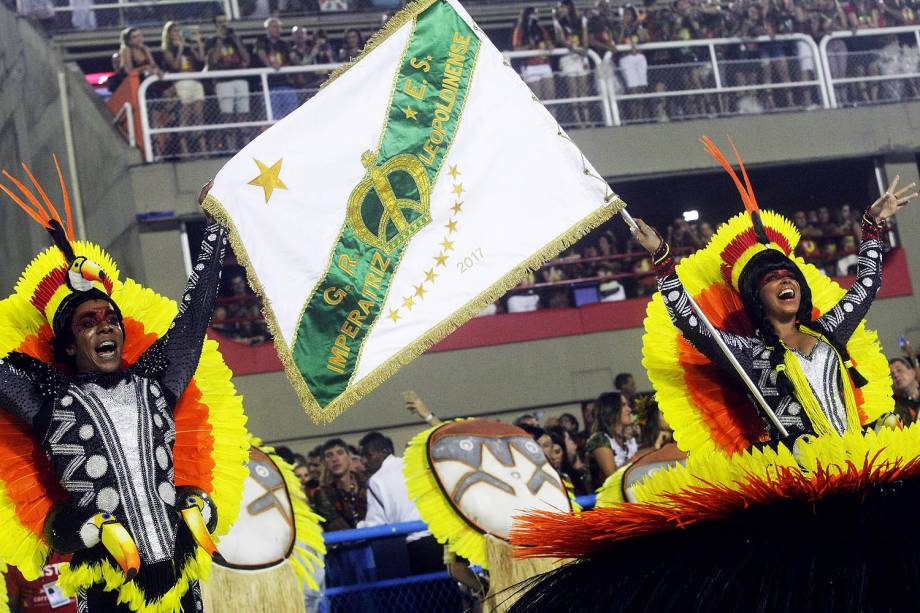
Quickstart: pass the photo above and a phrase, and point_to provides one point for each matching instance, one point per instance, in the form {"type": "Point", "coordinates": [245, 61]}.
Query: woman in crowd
{"type": "Point", "coordinates": [353, 42]}
{"type": "Point", "coordinates": [906, 389]}
{"type": "Point", "coordinates": [565, 458]}
{"type": "Point", "coordinates": [181, 55]}
{"type": "Point", "coordinates": [529, 35]}
{"type": "Point", "coordinates": [613, 441]}
{"type": "Point", "coordinates": [136, 59]}
{"type": "Point", "coordinates": [571, 32]}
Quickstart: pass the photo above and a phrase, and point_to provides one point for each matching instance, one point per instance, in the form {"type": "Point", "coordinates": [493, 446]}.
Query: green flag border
{"type": "Point", "coordinates": [612, 204]}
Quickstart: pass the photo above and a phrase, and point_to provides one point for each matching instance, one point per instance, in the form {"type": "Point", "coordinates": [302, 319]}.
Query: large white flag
{"type": "Point", "coordinates": [414, 189]}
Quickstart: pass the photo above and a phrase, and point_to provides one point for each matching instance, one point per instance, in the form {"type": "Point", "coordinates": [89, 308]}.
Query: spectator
{"type": "Point", "coordinates": [613, 442]}
{"type": "Point", "coordinates": [225, 51]}
{"type": "Point", "coordinates": [135, 58]}
{"type": "Point", "coordinates": [808, 247]}
{"type": "Point", "coordinates": [388, 502]}
{"type": "Point", "coordinates": [353, 42]}
{"type": "Point", "coordinates": [182, 55]}
{"type": "Point", "coordinates": [414, 404]}
{"type": "Point", "coordinates": [529, 35]}
{"type": "Point", "coordinates": [301, 470]}
{"type": "Point", "coordinates": [526, 420]}
{"type": "Point", "coordinates": [634, 68]}
{"type": "Point", "coordinates": [245, 324]}
{"type": "Point", "coordinates": [274, 52]}
{"type": "Point", "coordinates": [357, 461]}
{"type": "Point", "coordinates": [625, 384]}
{"type": "Point", "coordinates": [571, 32]}
{"type": "Point", "coordinates": [342, 501]}
{"type": "Point", "coordinates": [41, 595]}
{"type": "Point", "coordinates": [656, 431]}
{"type": "Point", "coordinates": [565, 453]}
{"type": "Point", "coordinates": [906, 390]}
{"type": "Point", "coordinates": [315, 469]}
{"type": "Point", "coordinates": [569, 422]}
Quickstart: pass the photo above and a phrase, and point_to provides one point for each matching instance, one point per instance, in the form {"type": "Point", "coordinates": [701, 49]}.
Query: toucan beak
{"type": "Point", "coordinates": [192, 517]}
{"type": "Point", "coordinates": [119, 544]}
{"type": "Point", "coordinates": [89, 270]}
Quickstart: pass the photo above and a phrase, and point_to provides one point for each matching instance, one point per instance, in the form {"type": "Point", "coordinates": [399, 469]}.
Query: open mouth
{"type": "Point", "coordinates": [787, 294]}
{"type": "Point", "coordinates": [106, 350]}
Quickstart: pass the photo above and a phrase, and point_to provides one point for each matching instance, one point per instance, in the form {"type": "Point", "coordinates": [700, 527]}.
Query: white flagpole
{"type": "Point", "coordinates": [717, 336]}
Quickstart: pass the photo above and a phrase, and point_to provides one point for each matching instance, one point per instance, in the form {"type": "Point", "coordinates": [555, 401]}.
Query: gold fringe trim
{"type": "Point", "coordinates": [270, 590]}
{"type": "Point", "coordinates": [113, 579]}
{"type": "Point", "coordinates": [414, 349]}
{"type": "Point", "coordinates": [507, 574]}
{"type": "Point", "coordinates": [394, 23]}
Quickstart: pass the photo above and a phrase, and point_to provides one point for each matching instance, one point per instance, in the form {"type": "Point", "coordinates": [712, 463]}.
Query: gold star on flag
{"type": "Point", "coordinates": [420, 290]}
{"type": "Point", "coordinates": [430, 275]}
{"type": "Point", "coordinates": [458, 206]}
{"type": "Point", "coordinates": [454, 172]}
{"type": "Point", "coordinates": [441, 260]}
{"type": "Point", "coordinates": [447, 245]}
{"type": "Point", "coordinates": [458, 189]}
{"type": "Point", "coordinates": [268, 178]}
{"type": "Point", "coordinates": [410, 113]}
{"type": "Point", "coordinates": [408, 302]}
{"type": "Point", "coordinates": [394, 315]}
{"type": "Point", "coordinates": [451, 225]}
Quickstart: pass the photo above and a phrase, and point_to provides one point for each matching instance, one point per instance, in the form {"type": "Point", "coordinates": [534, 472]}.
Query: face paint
{"type": "Point", "coordinates": [492, 472]}
{"type": "Point", "coordinates": [775, 275]}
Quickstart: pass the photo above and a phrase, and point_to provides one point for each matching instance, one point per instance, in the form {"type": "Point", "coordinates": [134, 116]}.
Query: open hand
{"type": "Point", "coordinates": [892, 200]}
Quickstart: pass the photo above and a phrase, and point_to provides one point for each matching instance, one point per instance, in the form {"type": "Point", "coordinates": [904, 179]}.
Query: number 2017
{"type": "Point", "coordinates": [471, 260]}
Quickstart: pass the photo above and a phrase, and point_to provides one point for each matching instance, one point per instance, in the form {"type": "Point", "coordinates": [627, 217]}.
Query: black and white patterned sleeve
{"type": "Point", "coordinates": [20, 387]}
{"type": "Point", "coordinates": [677, 302]}
{"type": "Point", "coordinates": [842, 320]}
{"type": "Point", "coordinates": [179, 350]}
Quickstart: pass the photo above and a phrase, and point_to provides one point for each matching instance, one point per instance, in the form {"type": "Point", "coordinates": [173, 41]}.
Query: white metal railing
{"type": "Point", "coordinates": [871, 56]}
{"type": "Point", "coordinates": [591, 108]}
{"type": "Point", "coordinates": [88, 15]}
{"type": "Point", "coordinates": [704, 83]}
{"type": "Point", "coordinates": [126, 112]}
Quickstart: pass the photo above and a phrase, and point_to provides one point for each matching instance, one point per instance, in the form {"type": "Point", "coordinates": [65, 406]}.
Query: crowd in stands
{"type": "Point", "coordinates": [764, 62]}
{"type": "Point", "coordinates": [631, 72]}
{"type": "Point", "coordinates": [229, 100]}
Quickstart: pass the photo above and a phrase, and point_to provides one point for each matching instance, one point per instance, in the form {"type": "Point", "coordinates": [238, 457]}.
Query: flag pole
{"type": "Point", "coordinates": [720, 342]}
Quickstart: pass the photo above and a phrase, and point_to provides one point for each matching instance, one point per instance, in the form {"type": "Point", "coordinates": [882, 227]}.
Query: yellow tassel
{"type": "Point", "coordinates": [271, 590]}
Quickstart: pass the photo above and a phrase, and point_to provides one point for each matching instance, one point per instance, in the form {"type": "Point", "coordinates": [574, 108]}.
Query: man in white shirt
{"type": "Point", "coordinates": [634, 70]}
{"type": "Point", "coordinates": [388, 501]}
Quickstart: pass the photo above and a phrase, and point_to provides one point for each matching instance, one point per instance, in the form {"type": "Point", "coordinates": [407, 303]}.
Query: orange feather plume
{"type": "Point", "coordinates": [745, 189]}
{"type": "Point", "coordinates": [43, 214]}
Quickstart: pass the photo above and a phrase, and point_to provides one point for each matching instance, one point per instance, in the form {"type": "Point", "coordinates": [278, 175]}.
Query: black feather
{"type": "Point", "coordinates": [59, 236]}
{"type": "Point", "coordinates": [844, 552]}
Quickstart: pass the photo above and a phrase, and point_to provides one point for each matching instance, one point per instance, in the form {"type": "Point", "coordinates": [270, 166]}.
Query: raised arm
{"type": "Point", "coordinates": [842, 320]}
{"type": "Point", "coordinates": [677, 302]}
{"type": "Point", "coordinates": [183, 342]}
{"type": "Point", "coordinates": [174, 357]}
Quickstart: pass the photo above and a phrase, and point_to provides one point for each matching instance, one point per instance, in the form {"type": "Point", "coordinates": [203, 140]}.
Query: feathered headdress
{"type": "Point", "coordinates": [74, 269]}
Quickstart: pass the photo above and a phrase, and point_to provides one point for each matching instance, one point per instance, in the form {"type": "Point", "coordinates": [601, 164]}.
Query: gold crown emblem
{"type": "Point", "coordinates": [391, 203]}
